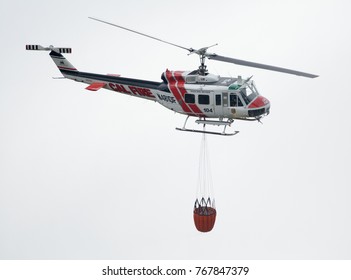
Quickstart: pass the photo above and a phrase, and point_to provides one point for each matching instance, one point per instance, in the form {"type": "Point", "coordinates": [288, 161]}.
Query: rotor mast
{"type": "Point", "coordinates": [202, 54]}
{"type": "Point", "coordinates": [202, 68]}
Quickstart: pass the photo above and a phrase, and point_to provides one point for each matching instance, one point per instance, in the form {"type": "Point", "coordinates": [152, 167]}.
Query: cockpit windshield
{"type": "Point", "coordinates": [249, 93]}
{"type": "Point", "coordinates": [243, 95]}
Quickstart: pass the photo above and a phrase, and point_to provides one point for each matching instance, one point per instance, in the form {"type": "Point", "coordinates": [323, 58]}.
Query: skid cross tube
{"type": "Point", "coordinates": [212, 122]}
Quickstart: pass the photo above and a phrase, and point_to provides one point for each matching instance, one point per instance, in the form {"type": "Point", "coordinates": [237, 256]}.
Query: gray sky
{"type": "Point", "coordinates": [106, 176]}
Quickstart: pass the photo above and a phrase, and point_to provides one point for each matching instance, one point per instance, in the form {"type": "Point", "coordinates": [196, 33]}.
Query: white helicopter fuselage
{"type": "Point", "coordinates": [195, 94]}
{"type": "Point", "coordinates": [184, 92]}
{"type": "Point", "coordinates": [211, 96]}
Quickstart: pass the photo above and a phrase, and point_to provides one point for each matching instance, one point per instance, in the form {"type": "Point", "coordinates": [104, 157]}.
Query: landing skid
{"type": "Point", "coordinates": [207, 132]}
{"type": "Point", "coordinates": [210, 122]}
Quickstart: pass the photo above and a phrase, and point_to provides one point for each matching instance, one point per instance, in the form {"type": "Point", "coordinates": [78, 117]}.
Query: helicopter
{"type": "Point", "coordinates": [212, 99]}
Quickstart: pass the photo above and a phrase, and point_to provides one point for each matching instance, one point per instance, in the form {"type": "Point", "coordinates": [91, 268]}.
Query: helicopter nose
{"type": "Point", "coordinates": [259, 106]}
{"type": "Point", "coordinates": [259, 102]}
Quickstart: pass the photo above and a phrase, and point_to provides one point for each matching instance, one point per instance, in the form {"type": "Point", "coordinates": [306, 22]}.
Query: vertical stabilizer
{"type": "Point", "coordinates": [61, 62]}
{"type": "Point", "coordinates": [56, 54]}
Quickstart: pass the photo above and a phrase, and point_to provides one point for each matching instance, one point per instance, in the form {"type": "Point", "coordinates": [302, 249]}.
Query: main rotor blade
{"type": "Point", "coordinates": [142, 34]}
{"type": "Point", "coordinates": [259, 65]}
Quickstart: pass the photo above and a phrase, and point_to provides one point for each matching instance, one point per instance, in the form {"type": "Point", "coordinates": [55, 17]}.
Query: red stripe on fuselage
{"type": "Point", "coordinates": [66, 68]}
{"type": "Point", "coordinates": [178, 76]}
{"type": "Point", "coordinates": [173, 88]}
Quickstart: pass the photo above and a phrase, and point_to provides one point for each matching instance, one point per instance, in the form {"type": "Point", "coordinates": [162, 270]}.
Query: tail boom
{"type": "Point", "coordinates": [134, 87]}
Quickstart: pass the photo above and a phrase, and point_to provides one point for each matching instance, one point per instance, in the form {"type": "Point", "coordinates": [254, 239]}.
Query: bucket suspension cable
{"type": "Point", "coordinates": [204, 206]}
{"type": "Point", "coordinates": [205, 186]}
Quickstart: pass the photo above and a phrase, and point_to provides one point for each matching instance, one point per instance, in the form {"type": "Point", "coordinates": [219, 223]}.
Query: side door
{"type": "Point", "coordinates": [205, 103]}
{"type": "Point", "coordinates": [221, 102]}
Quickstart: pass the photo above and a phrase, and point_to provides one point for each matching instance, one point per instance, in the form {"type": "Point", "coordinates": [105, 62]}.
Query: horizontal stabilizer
{"type": "Point", "coordinates": [95, 86]}
{"type": "Point", "coordinates": [50, 48]}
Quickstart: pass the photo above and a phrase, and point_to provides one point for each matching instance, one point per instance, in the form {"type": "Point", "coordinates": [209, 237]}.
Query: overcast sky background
{"type": "Point", "coordinates": [102, 175]}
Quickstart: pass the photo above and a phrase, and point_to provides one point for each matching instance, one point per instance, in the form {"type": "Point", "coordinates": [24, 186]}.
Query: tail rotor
{"type": "Point", "coordinates": [50, 48]}
{"type": "Point", "coordinates": [56, 54]}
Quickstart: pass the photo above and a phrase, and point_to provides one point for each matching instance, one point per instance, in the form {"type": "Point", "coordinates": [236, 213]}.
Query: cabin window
{"type": "Point", "coordinates": [189, 98]}
{"type": "Point", "coordinates": [204, 99]}
{"type": "Point", "coordinates": [235, 101]}
{"type": "Point", "coordinates": [218, 100]}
